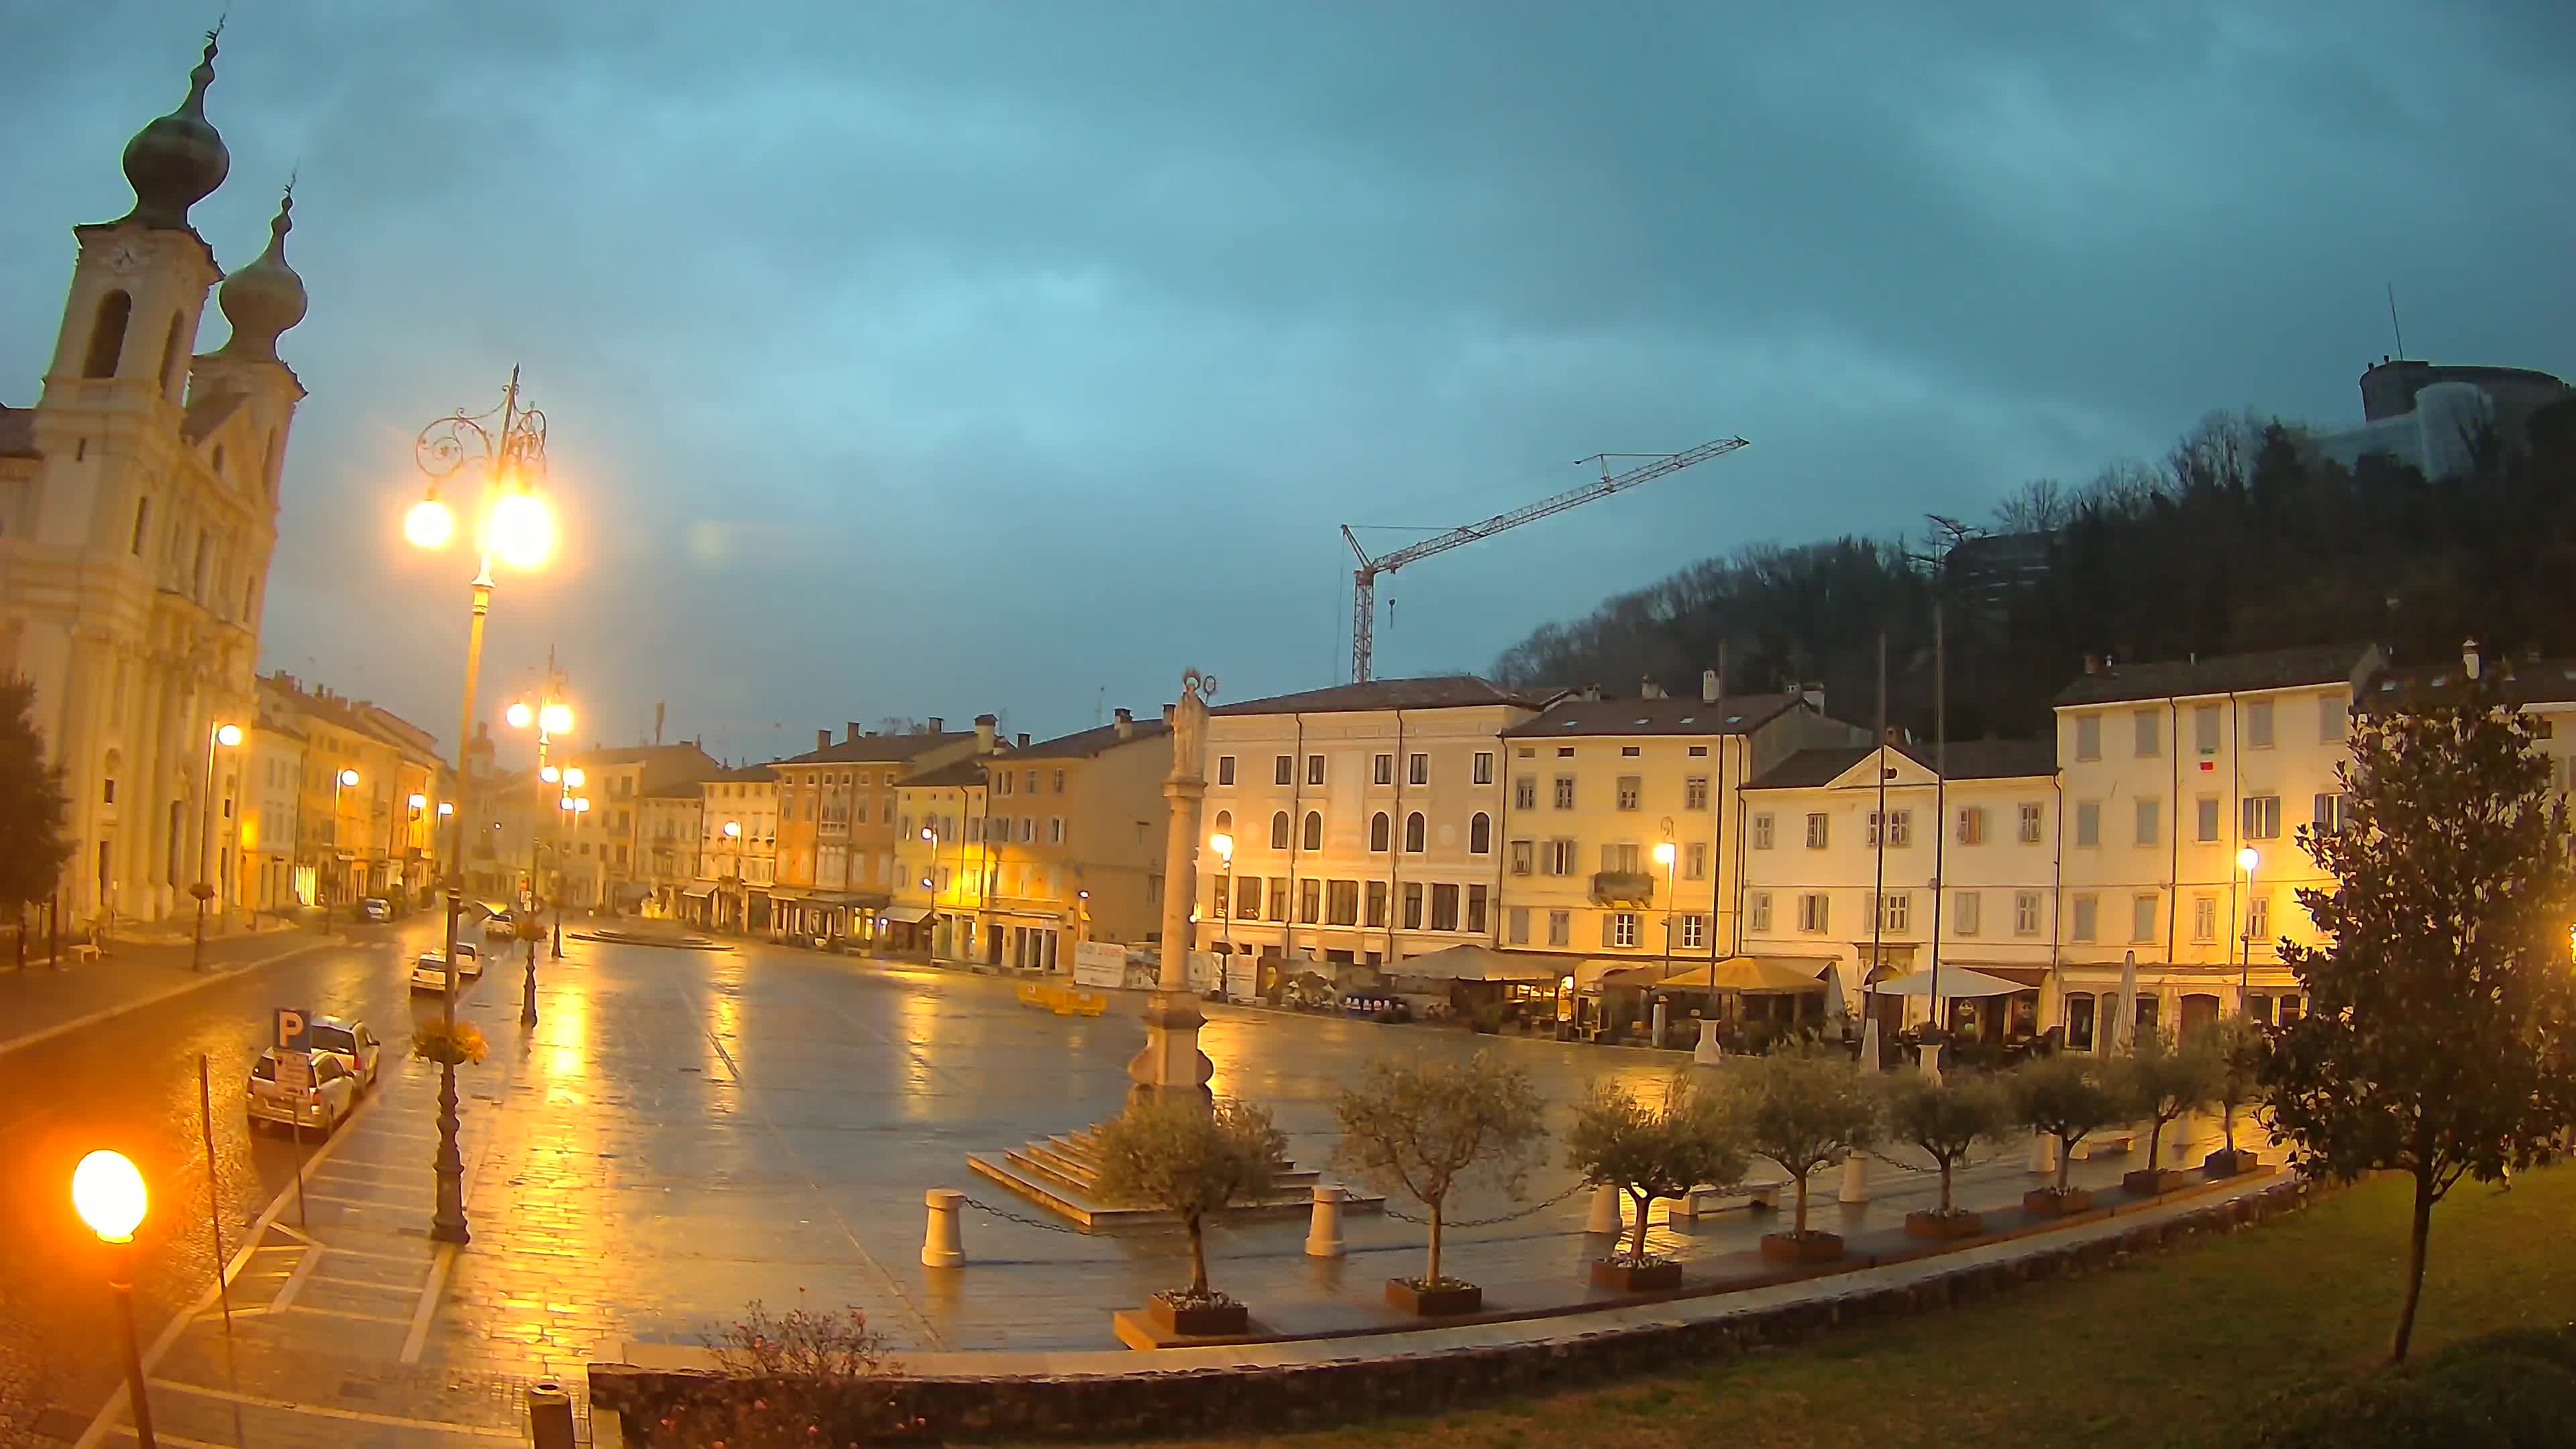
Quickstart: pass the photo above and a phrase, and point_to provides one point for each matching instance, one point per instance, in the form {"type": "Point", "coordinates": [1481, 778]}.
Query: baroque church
{"type": "Point", "coordinates": [138, 511]}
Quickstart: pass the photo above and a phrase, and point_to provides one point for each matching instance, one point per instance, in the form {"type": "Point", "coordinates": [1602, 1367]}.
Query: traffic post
{"type": "Point", "coordinates": [295, 1077]}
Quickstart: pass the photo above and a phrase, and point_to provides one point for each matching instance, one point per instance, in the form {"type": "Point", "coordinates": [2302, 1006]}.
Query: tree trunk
{"type": "Point", "coordinates": [2065, 1159]}
{"type": "Point", "coordinates": [1945, 1187]}
{"type": "Point", "coordinates": [1801, 1229]}
{"type": "Point", "coordinates": [2419, 1229]}
{"type": "Point", "coordinates": [2227, 1127]}
{"type": "Point", "coordinates": [2155, 1144]}
{"type": "Point", "coordinates": [1643, 1201]}
{"type": "Point", "coordinates": [1198, 1258]}
{"type": "Point", "coordinates": [1434, 1280]}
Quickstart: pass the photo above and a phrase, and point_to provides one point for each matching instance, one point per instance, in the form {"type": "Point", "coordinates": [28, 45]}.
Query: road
{"type": "Point", "coordinates": [131, 1084]}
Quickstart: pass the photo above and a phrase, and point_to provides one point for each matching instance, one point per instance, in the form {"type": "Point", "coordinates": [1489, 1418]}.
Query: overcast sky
{"type": "Point", "coordinates": [929, 359]}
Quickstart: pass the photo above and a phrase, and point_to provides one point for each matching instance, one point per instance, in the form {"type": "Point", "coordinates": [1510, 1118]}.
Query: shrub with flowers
{"type": "Point", "coordinates": [456, 1045]}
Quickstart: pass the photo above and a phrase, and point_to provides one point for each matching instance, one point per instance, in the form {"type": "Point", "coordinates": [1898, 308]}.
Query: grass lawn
{"type": "Point", "coordinates": [2163, 1351]}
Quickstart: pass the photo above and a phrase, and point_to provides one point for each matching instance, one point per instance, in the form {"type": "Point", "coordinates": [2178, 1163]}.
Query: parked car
{"type": "Point", "coordinates": [350, 1041]}
{"type": "Point", "coordinates": [376, 908]}
{"type": "Point", "coordinates": [429, 972]}
{"type": "Point", "coordinates": [321, 1105]}
{"type": "Point", "coordinates": [499, 926]}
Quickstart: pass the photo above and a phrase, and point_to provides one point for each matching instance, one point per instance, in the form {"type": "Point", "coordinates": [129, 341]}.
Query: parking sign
{"type": "Point", "coordinates": [291, 1023]}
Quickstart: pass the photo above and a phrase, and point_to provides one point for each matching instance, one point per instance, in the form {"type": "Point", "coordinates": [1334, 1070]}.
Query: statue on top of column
{"type": "Point", "coordinates": [1189, 725]}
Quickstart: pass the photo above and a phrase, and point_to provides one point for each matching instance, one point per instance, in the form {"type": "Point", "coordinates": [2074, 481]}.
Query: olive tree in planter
{"type": "Point", "coordinates": [1803, 1107]}
{"type": "Point", "coordinates": [1647, 1152]}
{"type": "Point", "coordinates": [2068, 1096]}
{"type": "Point", "coordinates": [1189, 1160]}
{"type": "Point", "coordinates": [1947, 1117]}
{"type": "Point", "coordinates": [1426, 1128]}
{"type": "Point", "coordinates": [2167, 1079]}
{"type": "Point", "coordinates": [2241, 1047]}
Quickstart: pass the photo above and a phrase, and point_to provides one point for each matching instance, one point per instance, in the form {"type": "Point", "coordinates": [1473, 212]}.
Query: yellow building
{"type": "Point", "coordinates": [737, 850]}
{"type": "Point", "coordinates": [837, 811]}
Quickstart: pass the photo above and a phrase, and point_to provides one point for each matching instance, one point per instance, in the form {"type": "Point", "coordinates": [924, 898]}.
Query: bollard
{"type": "Point", "coordinates": [940, 1247]}
{"type": "Point", "coordinates": [549, 1415]}
{"type": "Point", "coordinates": [1708, 1052]}
{"type": "Point", "coordinates": [2043, 1154]}
{"type": "Point", "coordinates": [1324, 1229]}
{"type": "Point", "coordinates": [1606, 1216]}
{"type": "Point", "coordinates": [1855, 1186]}
{"type": "Point", "coordinates": [1929, 1057]}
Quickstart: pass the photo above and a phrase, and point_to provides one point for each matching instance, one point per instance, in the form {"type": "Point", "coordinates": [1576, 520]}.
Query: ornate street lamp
{"type": "Point", "coordinates": [108, 1194]}
{"type": "Point", "coordinates": [516, 525]}
{"type": "Point", "coordinates": [225, 736]}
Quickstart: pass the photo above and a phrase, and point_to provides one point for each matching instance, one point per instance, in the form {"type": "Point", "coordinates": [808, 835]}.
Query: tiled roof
{"type": "Point", "coordinates": [747, 774]}
{"type": "Point", "coordinates": [2525, 681]}
{"type": "Point", "coordinates": [1736, 714]}
{"type": "Point", "coordinates": [1083, 744]}
{"type": "Point", "coordinates": [955, 774]}
{"type": "Point", "coordinates": [18, 432]}
{"type": "Point", "coordinates": [639, 755]}
{"type": "Point", "coordinates": [1439, 691]}
{"type": "Point", "coordinates": [1964, 760]}
{"type": "Point", "coordinates": [2217, 674]}
{"type": "Point", "coordinates": [877, 749]}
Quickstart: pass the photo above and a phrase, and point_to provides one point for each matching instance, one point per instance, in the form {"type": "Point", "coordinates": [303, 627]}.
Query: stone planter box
{"type": "Point", "coordinates": [1944, 1226]}
{"type": "Point", "coordinates": [2044, 1202]}
{"type": "Point", "coordinates": [1814, 1247]}
{"type": "Point", "coordinates": [2224, 1163]}
{"type": "Point", "coordinates": [1449, 1298]}
{"type": "Point", "coordinates": [2154, 1181]}
{"type": "Point", "coordinates": [1199, 1320]}
{"type": "Point", "coordinates": [1635, 1277]}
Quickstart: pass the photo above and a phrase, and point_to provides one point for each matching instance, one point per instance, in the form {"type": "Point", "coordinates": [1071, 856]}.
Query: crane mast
{"type": "Point", "coordinates": [1364, 578]}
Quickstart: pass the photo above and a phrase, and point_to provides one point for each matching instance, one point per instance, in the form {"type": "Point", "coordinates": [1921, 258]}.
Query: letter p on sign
{"type": "Point", "coordinates": [290, 1029]}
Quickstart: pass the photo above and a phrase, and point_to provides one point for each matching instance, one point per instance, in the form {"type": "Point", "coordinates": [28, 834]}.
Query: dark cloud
{"type": "Point", "coordinates": [932, 359]}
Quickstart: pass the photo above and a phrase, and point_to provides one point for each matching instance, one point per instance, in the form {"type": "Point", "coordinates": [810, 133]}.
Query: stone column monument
{"type": "Point", "coordinates": [1171, 1063]}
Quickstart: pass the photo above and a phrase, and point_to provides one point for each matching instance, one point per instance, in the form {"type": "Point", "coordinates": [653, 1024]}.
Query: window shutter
{"type": "Point", "coordinates": [1605, 928]}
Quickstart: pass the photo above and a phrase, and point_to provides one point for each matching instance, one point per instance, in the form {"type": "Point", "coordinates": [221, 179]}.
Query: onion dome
{"type": "Point", "coordinates": [265, 298]}
{"type": "Point", "coordinates": [176, 160]}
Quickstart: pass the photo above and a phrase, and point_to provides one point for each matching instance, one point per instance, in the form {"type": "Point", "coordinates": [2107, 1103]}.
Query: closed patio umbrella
{"type": "Point", "coordinates": [1956, 982]}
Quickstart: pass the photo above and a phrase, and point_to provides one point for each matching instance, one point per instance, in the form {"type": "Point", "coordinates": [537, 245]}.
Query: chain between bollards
{"type": "Point", "coordinates": [1405, 1217]}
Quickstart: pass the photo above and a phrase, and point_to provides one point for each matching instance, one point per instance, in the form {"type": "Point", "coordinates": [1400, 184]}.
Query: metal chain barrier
{"type": "Point", "coordinates": [1405, 1217]}
{"type": "Point", "coordinates": [1023, 1219]}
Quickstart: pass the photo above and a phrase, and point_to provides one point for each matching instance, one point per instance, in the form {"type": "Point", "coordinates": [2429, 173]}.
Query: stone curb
{"type": "Point", "coordinates": [1159, 1403]}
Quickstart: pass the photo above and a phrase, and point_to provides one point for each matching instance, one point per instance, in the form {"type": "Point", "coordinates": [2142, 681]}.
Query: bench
{"type": "Point", "coordinates": [80, 951]}
{"type": "Point", "coordinates": [1762, 1195]}
{"type": "Point", "coordinates": [2110, 1142]}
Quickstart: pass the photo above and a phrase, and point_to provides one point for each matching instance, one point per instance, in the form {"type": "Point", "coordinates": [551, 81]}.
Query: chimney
{"type": "Point", "coordinates": [850, 731]}
{"type": "Point", "coordinates": [1021, 740]}
{"type": "Point", "coordinates": [1708, 687]}
{"type": "Point", "coordinates": [1167, 713]}
{"type": "Point", "coordinates": [1126, 725]}
{"type": "Point", "coordinates": [1895, 736]}
{"type": "Point", "coordinates": [2092, 663]}
{"type": "Point", "coordinates": [1814, 695]}
{"type": "Point", "coordinates": [937, 725]}
{"type": "Point", "coordinates": [2469, 658]}
{"type": "Point", "coordinates": [985, 724]}
{"type": "Point", "coordinates": [1649, 689]}
{"type": "Point", "coordinates": [822, 739]}
{"type": "Point", "coordinates": [1591, 693]}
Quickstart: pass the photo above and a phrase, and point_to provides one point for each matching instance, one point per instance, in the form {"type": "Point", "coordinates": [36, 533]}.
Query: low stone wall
{"type": "Point", "coordinates": [1149, 1403]}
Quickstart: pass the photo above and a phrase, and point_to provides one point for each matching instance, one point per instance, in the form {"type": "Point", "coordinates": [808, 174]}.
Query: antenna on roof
{"type": "Point", "coordinates": [2400, 332]}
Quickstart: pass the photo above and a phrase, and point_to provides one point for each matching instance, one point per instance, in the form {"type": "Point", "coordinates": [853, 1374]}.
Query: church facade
{"type": "Point", "coordinates": [138, 512]}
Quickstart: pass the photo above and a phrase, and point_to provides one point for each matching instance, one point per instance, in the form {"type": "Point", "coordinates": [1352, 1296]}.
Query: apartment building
{"type": "Point", "coordinates": [272, 875]}
{"type": "Point", "coordinates": [737, 850]}
{"type": "Point", "coordinates": [836, 827]}
{"type": "Point", "coordinates": [604, 843]}
{"type": "Point", "coordinates": [1596, 791]}
{"type": "Point", "coordinates": [2184, 787]}
{"type": "Point", "coordinates": [1367, 820]}
{"type": "Point", "coordinates": [943, 878]}
{"type": "Point", "coordinates": [670, 823]}
{"type": "Point", "coordinates": [1878, 859]}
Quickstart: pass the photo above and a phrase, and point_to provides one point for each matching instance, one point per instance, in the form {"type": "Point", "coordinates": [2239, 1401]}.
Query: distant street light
{"type": "Point", "coordinates": [108, 1194]}
{"type": "Point", "coordinates": [222, 736]}
{"type": "Point", "coordinates": [2246, 860]}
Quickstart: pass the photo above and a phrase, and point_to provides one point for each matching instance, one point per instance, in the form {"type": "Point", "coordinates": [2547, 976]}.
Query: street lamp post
{"type": "Point", "coordinates": [227, 736]}
{"type": "Point", "coordinates": [342, 782]}
{"type": "Point", "coordinates": [1664, 856]}
{"type": "Point", "coordinates": [2246, 860]}
{"type": "Point", "coordinates": [108, 1194]}
{"type": "Point", "coordinates": [1224, 845]}
{"type": "Point", "coordinates": [516, 524]}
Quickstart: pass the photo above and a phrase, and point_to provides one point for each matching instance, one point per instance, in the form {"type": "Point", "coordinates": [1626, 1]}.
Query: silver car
{"type": "Point", "coordinates": [321, 1105]}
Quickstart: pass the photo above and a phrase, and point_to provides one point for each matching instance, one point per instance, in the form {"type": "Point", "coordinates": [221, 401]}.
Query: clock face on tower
{"type": "Point", "coordinates": [125, 256]}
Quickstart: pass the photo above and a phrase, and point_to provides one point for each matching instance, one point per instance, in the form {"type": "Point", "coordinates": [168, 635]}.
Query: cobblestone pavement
{"type": "Point", "coordinates": [686, 1132]}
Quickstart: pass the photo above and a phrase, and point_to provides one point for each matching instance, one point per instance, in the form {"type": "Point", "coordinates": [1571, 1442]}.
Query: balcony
{"type": "Point", "coordinates": [1623, 888]}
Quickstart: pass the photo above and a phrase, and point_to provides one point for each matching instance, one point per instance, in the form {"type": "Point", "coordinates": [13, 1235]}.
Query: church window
{"type": "Point", "coordinates": [219, 460]}
{"type": "Point", "coordinates": [197, 576]}
{"type": "Point", "coordinates": [172, 377]}
{"type": "Point", "coordinates": [250, 600]}
{"type": "Point", "coordinates": [142, 523]}
{"type": "Point", "coordinates": [107, 335]}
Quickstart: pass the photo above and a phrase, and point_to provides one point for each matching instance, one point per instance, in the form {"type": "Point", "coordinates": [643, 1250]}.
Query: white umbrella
{"type": "Point", "coordinates": [1837, 1008]}
{"type": "Point", "coordinates": [1956, 982]}
{"type": "Point", "coordinates": [2124, 1027]}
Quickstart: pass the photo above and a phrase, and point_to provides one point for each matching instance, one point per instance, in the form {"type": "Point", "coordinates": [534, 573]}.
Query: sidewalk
{"type": "Point", "coordinates": [44, 1001]}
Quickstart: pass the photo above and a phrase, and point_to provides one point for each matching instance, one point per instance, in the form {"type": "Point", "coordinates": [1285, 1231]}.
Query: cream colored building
{"type": "Point", "coordinates": [273, 875]}
{"type": "Point", "coordinates": [138, 511]}
{"type": "Point", "coordinates": [1594, 787]}
{"type": "Point", "coordinates": [2168, 771]}
{"type": "Point", "coordinates": [1964, 870]}
{"type": "Point", "coordinates": [737, 850]}
{"type": "Point", "coordinates": [1367, 819]}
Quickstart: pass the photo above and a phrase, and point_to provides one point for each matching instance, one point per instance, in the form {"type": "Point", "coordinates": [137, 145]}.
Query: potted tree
{"type": "Point", "coordinates": [1803, 1107]}
{"type": "Point", "coordinates": [2241, 1046]}
{"type": "Point", "coordinates": [1947, 1117]}
{"type": "Point", "coordinates": [2167, 1079]}
{"type": "Point", "coordinates": [1190, 1159]}
{"type": "Point", "coordinates": [2068, 1096]}
{"type": "Point", "coordinates": [1424, 1128]}
{"type": "Point", "coordinates": [1646, 1153]}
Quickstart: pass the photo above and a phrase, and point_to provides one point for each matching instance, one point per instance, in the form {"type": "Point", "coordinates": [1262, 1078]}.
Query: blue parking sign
{"type": "Point", "coordinates": [291, 1024]}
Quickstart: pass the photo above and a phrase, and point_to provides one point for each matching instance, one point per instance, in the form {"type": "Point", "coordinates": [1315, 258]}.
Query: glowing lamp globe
{"type": "Point", "coordinates": [521, 530]}
{"type": "Point", "coordinates": [2246, 859]}
{"type": "Point", "coordinates": [228, 735]}
{"type": "Point", "coordinates": [574, 777]}
{"type": "Point", "coordinates": [108, 1194]}
{"type": "Point", "coordinates": [733, 830]}
{"type": "Point", "coordinates": [419, 802]}
{"type": "Point", "coordinates": [550, 774]}
{"type": "Point", "coordinates": [1223, 844]}
{"type": "Point", "coordinates": [429, 524]}
{"type": "Point", "coordinates": [519, 714]}
{"type": "Point", "coordinates": [1663, 852]}
{"type": "Point", "coordinates": [348, 777]}
{"type": "Point", "coordinates": [556, 718]}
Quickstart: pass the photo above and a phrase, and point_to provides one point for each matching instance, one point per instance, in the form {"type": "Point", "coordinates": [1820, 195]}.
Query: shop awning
{"type": "Point", "coordinates": [838, 899]}
{"type": "Point", "coordinates": [906, 915]}
{"type": "Point", "coordinates": [697, 892]}
{"type": "Point", "coordinates": [1752, 974]}
{"type": "Point", "coordinates": [1474, 963]}
{"type": "Point", "coordinates": [1956, 982]}
{"type": "Point", "coordinates": [788, 893]}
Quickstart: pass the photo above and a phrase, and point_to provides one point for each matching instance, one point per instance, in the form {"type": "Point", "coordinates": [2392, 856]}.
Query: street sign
{"type": "Point", "coordinates": [291, 1022]}
{"type": "Point", "coordinates": [294, 1071]}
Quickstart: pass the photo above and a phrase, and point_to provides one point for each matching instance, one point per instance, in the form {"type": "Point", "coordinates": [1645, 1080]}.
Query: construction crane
{"type": "Point", "coordinates": [1364, 578]}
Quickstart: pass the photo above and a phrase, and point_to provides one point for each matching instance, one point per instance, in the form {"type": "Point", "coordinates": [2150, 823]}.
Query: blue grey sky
{"type": "Point", "coordinates": [915, 359]}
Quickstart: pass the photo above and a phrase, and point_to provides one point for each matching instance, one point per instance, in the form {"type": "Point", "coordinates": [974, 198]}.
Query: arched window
{"type": "Point", "coordinates": [219, 460]}
{"type": "Point", "coordinates": [1314, 830]}
{"type": "Point", "coordinates": [1379, 831]}
{"type": "Point", "coordinates": [1480, 834]}
{"type": "Point", "coordinates": [142, 523]}
{"type": "Point", "coordinates": [173, 376]}
{"type": "Point", "coordinates": [107, 335]}
{"type": "Point", "coordinates": [1279, 831]}
{"type": "Point", "coordinates": [1225, 822]}
{"type": "Point", "coordinates": [1413, 833]}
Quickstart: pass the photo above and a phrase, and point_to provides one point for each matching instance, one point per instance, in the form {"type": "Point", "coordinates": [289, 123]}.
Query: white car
{"type": "Point", "coordinates": [321, 1105]}
{"type": "Point", "coordinates": [349, 1040]}
{"type": "Point", "coordinates": [429, 973]}
{"type": "Point", "coordinates": [499, 926]}
{"type": "Point", "coordinates": [469, 962]}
